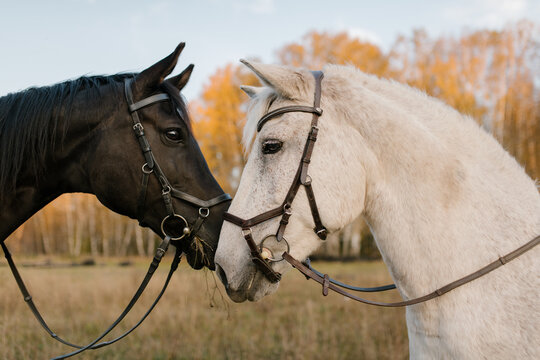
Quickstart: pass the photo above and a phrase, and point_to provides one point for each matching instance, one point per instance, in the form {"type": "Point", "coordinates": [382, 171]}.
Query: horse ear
{"type": "Point", "coordinates": [180, 80]}
{"type": "Point", "coordinates": [155, 74]}
{"type": "Point", "coordinates": [251, 91]}
{"type": "Point", "coordinates": [286, 81]}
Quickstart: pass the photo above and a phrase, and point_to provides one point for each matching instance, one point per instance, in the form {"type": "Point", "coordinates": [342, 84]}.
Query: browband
{"type": "Point", "coordinates": [286, 109]}
{"type": "Point", "coordinates": [148, 101]}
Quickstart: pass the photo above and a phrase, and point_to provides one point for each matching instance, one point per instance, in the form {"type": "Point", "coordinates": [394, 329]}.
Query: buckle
{"type": "Point", "coordinates": [166, 190]}
{"type": "Point", "coordinates": [146, 169]}
{"type": "Point", "coordinates": [307, 181]}
{"type": "Point", "coordinates": [322, 234]}
{"type": "Point", "coordinates": [287, 209]}
{"type": "Point", "coordinates": [204, 212]}
{"type": "Point", "coordinates": [160, 252]}
{"type": "Point", "coordinates": [139, 129]}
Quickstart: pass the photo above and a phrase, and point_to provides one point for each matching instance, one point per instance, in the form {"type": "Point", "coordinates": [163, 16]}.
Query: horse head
{"type": "Point", "coordinates": [270, 183]}
{"type": "Point", "coordinates": [126, 138]}
{"type": "Point", "coordinates": [168, 150]}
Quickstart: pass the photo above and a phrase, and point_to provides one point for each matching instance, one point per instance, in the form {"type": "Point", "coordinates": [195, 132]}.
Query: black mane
{"type": "Point", "coordinates": [29, 121]}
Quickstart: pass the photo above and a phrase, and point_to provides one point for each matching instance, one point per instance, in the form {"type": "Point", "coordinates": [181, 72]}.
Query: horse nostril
{"type": "Point", "coordinates": [221, 275]}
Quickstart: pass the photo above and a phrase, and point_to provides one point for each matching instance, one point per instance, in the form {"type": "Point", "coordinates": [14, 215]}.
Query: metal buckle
{"type": "Point", "coordinates": [318, 111]}
{"type": "Point", "coordinates": [246, 232]}
{"type": "Point", "coordinates": [287, 209]}
{"type": "Point", "coordinates": [166, 190]}
{"type": "Point", "coordinates": [138, 127]}
{"type": "Point", "coordinates": [149, 171]}
{"type": "Point", "coordinates": [204, 212]}
{"type": "Point", "coordinates": [307, 181]}
{"type": "Point", "coordinates": [160, 252]}
{"type": "Point", "coordinates": [322, 234]}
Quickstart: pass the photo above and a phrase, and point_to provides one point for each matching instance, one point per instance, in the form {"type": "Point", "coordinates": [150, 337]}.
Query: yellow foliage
{"type": "Point", "coordinates": [493, 76]}
{"type": "Point", "coordinates": [219, 118]}
{"type": "Point", "coordinates": [318, 49]}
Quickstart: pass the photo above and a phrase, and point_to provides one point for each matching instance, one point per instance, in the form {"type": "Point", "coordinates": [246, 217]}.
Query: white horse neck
{"type": "Point", "coordinates": [443, 198]}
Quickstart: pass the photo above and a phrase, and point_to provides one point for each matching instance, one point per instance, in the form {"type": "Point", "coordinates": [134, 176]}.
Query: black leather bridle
{"type": "Point", "coordinates": [167, 192]}
{"type": "Point", "coordinates": [261, 255]}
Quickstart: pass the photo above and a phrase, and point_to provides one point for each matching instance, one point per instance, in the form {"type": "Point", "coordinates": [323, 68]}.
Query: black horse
{"type": "Point", "coordinates": [82, 136]}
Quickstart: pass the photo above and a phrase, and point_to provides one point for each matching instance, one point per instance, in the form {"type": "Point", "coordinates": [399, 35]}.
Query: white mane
{"type": "Point", "coordinates": [257, 108]}
{"type": "Point", "coordinates": [432, 112]}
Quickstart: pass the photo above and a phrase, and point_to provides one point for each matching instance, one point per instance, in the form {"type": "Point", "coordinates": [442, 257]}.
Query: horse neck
{"type": "Point", "coordinates": [64, 169]}
{"type": "Point", "coordinates": [442, 196]}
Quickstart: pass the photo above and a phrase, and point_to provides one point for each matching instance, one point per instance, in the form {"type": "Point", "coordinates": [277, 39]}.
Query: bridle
{"type": "Point", "coordinates": [263, 257]}
{"type": "Point", "coordinates": [152, 167]}
{"type": "Point", "coordinates": [167, 192]}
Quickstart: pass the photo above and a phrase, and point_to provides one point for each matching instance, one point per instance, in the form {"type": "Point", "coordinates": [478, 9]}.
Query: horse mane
{"type": "Point", "coordinates": [340, 77]}
{"type": "Point", "coordinates": [30, 120]}
{"type": "Point", "coordinates": [257, 108]}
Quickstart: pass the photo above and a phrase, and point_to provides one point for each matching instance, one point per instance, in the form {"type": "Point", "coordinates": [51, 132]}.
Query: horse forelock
{"type": "Point", "coordinates": [179, 101]}
{"type": "Point", "coordinates": [257, 108]}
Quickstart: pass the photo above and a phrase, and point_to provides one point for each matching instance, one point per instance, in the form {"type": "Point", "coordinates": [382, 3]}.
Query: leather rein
{"type": "Point", "coordinates": [263, 258]}
{"type": "Point", "coordinates": [189, 231]}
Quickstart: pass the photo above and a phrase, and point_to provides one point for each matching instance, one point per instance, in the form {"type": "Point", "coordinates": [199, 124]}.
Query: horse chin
{"type": "Point", "coordinates": [262, 289]}
{"type": "Point", "coordinates": [199, 254]}
{"type": "Point", "coordinates": [254, 290]}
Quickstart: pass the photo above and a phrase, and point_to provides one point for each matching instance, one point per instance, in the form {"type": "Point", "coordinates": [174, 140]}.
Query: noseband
{"type": "Point", "coordinates": [167, 190]}
{"type": "Point", "coordinates": [259, 254]}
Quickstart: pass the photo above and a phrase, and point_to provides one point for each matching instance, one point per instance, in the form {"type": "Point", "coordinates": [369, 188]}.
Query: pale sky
{"type": "Point", "coordinates": [45, 42]}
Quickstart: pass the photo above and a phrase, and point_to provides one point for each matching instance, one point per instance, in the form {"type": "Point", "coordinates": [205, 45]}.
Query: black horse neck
{"type": "Point", "coordinates": [64, 168]}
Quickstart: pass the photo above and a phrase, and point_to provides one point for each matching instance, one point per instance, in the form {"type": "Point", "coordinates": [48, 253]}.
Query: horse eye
{"type": "Point", "coordinates": [173, 135]}
{"type": "Point", "coordinates": [271, 146]}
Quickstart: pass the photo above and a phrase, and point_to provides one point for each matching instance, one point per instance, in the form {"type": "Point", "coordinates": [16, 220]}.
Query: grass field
{"type": "Point", "coordinates": [195, 320]}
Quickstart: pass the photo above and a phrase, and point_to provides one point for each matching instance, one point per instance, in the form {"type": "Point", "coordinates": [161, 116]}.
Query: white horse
{"type": "Point", "coordinates": [442, 198]}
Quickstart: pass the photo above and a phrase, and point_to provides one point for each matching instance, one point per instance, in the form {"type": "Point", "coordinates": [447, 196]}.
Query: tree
{"type": "Point", "coordinates": [317, 49]}
{"type": "Point", "coordinates": [219, 118]}
{"type": "Point", "coordinates": [493, 76]}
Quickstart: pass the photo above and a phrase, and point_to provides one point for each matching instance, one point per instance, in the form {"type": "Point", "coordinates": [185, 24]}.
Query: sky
{"type": "Point", "coordinates": [45, 42]}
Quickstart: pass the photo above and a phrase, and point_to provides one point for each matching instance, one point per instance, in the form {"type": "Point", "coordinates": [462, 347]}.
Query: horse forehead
{"type": "Point", "coordinates": [289, 125]}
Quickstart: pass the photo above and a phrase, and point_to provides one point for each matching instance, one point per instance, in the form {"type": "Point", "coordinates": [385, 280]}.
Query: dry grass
{"type": "Point", "coordinates": [193, 321]}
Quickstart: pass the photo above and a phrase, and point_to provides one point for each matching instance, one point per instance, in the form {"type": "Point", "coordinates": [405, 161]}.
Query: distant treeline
{"type": "Point", "coordinates": [493, 76]}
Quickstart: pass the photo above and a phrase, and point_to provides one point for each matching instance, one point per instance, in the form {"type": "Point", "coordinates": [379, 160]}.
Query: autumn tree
{"type": "Point", "coordinates": [489, 75]}
{"type": "Point", "coordinates": [219, 117]}
{"type": "Point", "coordinates": [319, 48]}
{"type": "Point", "coordinates": [493, 76]}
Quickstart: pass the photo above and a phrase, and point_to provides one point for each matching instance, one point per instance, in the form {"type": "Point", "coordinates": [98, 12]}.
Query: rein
{"type": "Point", "coordinates": [167, 192]}
{"type": "Point", "coordinates": [263, 257]}
{"type": "Point", "coordinates": [160, 251]}
{"type": "Point", "coordinates": [327, 284]}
